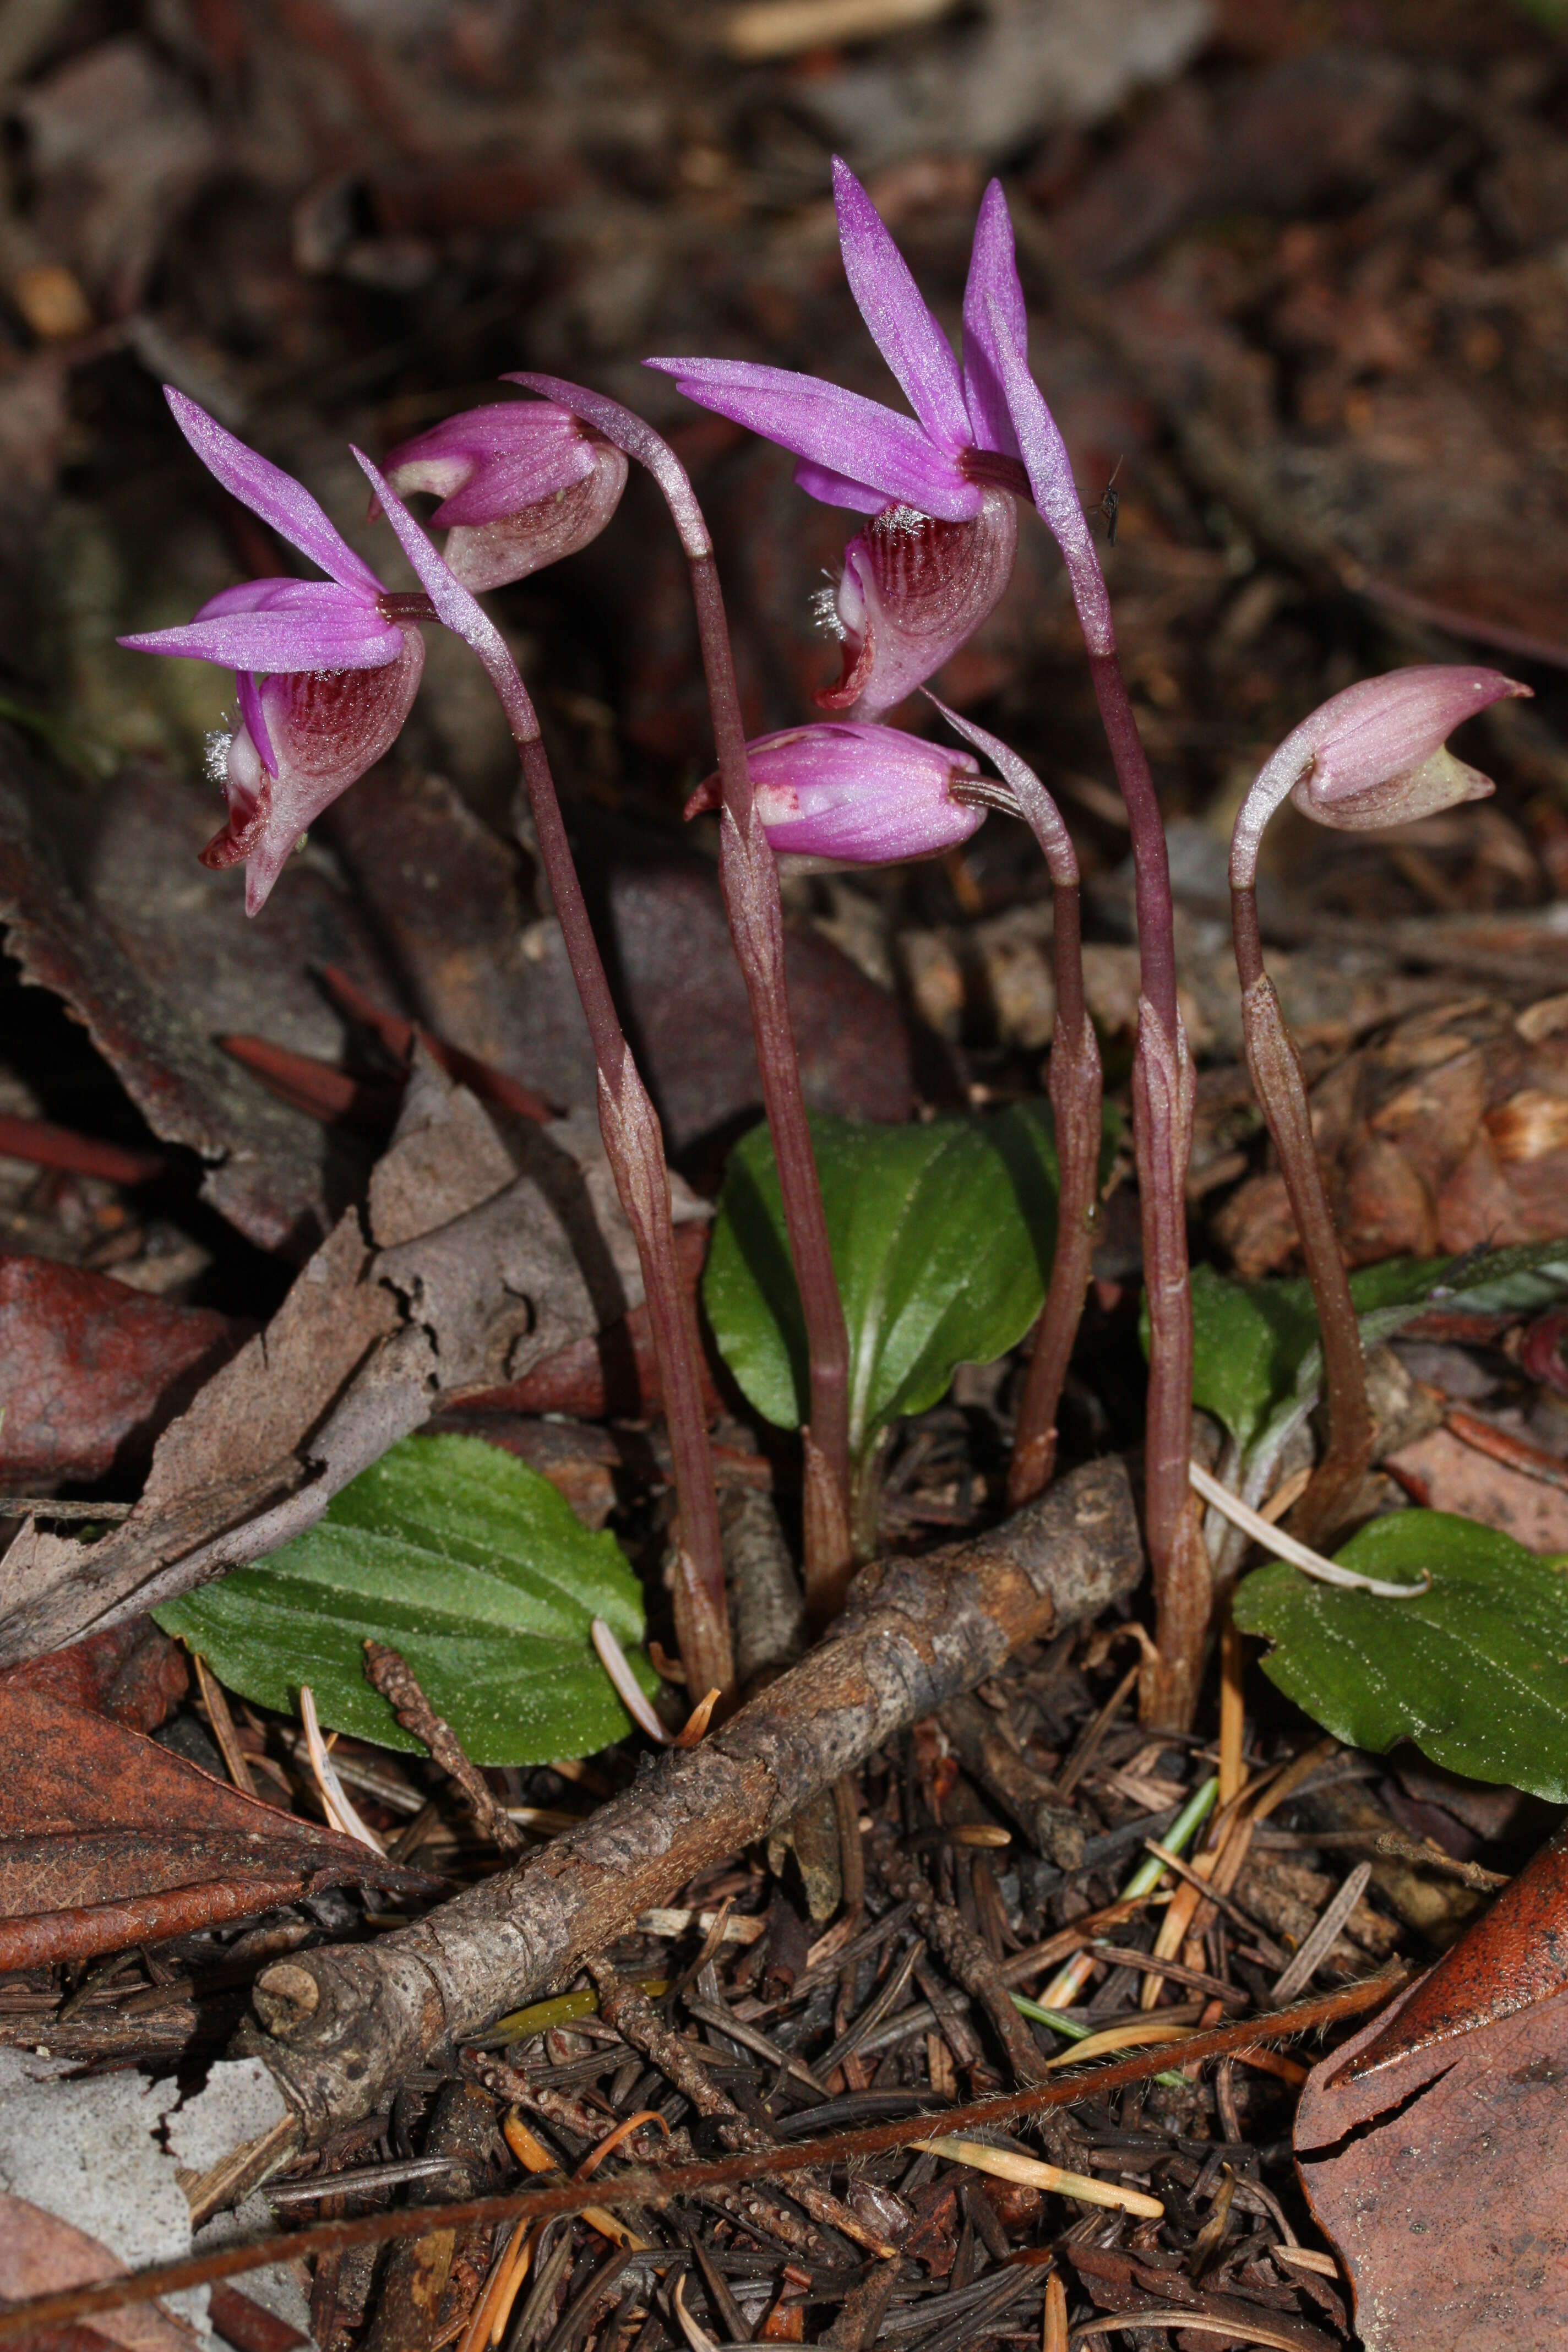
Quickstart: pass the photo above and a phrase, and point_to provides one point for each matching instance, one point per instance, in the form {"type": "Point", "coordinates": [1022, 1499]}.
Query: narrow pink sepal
{"type": "Point", "coordinates": [993, 311]}
{"type": "Point", "coordinates": [902, 327]}
{"type": "Point", "coordinates": [841, 430]}
{"type": "Point", "coordinates": [272, 494]}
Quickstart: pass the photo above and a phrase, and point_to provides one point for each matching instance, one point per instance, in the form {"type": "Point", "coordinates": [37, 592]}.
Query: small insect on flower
{"type": "Point", "coordinates": [937, 553]}
{"type": "Point", "coordinates": [522, 484]}
{"type": "Point", "coordinates": [846, 793]}
{"type": "Point", "coordinates": [325, 670]}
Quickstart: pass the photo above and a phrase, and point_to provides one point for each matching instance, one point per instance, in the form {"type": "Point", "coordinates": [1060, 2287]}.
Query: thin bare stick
{"type": "Point", "coordinates": [750, 881]}
{"type": "Point", "coordinates": [634, 1141]}
{"type": "Point", "coordinates": [389, 1673]}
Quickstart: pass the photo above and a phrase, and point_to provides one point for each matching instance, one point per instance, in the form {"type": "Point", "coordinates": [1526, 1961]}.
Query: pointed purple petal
{"type": "Point", "coordinates": [455, 606]}
{"type": "Point", "coordinates": [1049, 468]}
{"type": "Point", "coordinates": [902, 327]}
{"type": "Point", "coordinates": [837, 489]}
{"type": "Point", "coordinates": [1040, 811]}
{"type": "Point", "coordinates": [352, 637]}
{"type": "Point", "coordinates": [839, 430]}
{"type": "Point", "coordinates": [993, 309]}
{"type": "Point", "coordinates": [272, 494]}
{"type": "Point", "coordinates": [253, 711]}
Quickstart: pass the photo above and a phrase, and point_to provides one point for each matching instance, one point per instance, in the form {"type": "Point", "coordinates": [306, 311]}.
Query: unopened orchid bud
{"type": "Point", "coordinates": [521, 483]}
{"type": "Point", "coordinates": [843, 794]}
{"type": "Point", "coordinates": [325, 670]}
{"type": "Point", "coordinates": [1374, 755]}
{"type": "Point", "coordinates": [914, 589]}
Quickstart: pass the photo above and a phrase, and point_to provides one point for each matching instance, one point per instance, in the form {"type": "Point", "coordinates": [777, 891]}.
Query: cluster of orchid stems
{"type": "Point", "coordinates": [327, 671]}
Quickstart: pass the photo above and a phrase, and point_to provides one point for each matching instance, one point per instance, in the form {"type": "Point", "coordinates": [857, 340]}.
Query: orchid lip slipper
{"type": "Point", "coordinates": [840, 793]}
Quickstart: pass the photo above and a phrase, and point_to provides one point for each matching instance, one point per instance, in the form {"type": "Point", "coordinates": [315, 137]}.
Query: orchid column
{"type": "Point", "coordinates": [1373, 755]}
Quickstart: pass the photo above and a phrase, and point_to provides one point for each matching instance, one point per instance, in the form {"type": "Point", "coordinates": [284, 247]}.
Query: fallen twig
{"type": "Point", "coordinates": [395, 1678]}
{"type": "Point", "coordinates": [346, 2025]}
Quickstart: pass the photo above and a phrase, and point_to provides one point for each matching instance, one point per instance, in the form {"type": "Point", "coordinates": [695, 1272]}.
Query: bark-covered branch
{"type": "Point", "coordinates": [341, 2027]}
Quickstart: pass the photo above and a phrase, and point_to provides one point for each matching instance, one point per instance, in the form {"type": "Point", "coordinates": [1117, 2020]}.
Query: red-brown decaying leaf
{"type": "Point", "coordinates": [614, 1374]}
{"type": "Point", "coordinates": [108, 1839]}
{"type": "Point", "coordinates": [1513, 1957]}
{"type": "Point", "coordinates": [482, 1078]}
{"type": "Point", "coordinates": [1442, 2180]}
{"type": "Point", "coordinates": [130, 1671]}
{"type": "Point", "coordinates": [91, 1371]}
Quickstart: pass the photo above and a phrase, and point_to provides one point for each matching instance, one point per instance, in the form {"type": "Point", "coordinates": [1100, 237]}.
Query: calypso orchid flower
{"type": "Point", "coordinates": [521, 483]}
{"type": "Point", "coordinates": [325, 670]}
{"type": "Point", "coordinates": [844, 794]}
{"type": "Point", "coordinates": [1373, 755]}
{"type": "Point", "coordinates": [939, 551]}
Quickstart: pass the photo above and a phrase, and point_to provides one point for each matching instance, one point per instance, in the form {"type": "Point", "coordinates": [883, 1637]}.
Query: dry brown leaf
{"type": "Point", "coordinates": [505, 1271]}
{"type": "Point", "coordinates": [1441, 2180]}
{"type": "Point", "coordinates": [107, 1839]}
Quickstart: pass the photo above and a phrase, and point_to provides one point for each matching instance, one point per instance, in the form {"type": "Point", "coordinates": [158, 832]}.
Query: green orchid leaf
{"type": "Point", "coordinates": [470, 1565]}
{"type": "Point", "coordinates": [1255, 1345]}
{"type": "Point", "coordinates": [941, 1239]}
{"type": "Point", "coordinates": [1249, 1342]}
{"type": "Point", "coordinates": [1474, 1671]}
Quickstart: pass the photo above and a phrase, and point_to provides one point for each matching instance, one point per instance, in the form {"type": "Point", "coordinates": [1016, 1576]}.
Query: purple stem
{"type": "Point", "coordinates": [1280, 1084]}
{"type": "Point", "coordinates": [1075, 1087]}
{"type": "Point", "coordinates": [750, 881]}
{"type": "Point", "coordinates": [1162, 1070]}
{"type": "Point", "coordinates": [633, 1142]}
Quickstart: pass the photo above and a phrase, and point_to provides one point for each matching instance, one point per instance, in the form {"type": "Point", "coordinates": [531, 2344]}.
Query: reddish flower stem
{"type": "Point", "coordinates": [1280, 1084]}
{"type": "Point", "coordinates": [634, 1141]}
{"type": "Point", "coordinates": [1075, 1087]}
{"type": "Point", "coordinates": [1161, 1078]}
{"type": "Point", "coordinates": [750, 881]}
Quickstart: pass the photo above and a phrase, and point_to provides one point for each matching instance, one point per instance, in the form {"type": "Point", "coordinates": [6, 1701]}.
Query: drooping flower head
{"type": "Point", "coordinates": [325, 671]}
{"type": "Point", "coordinates": [939, 553]}
{"type": "Point", "coordinates": [841, 793]}
{"type": "Point", "coordinates": [521, 483]}
{"type": "Point", "coordinates": [1374, 754]}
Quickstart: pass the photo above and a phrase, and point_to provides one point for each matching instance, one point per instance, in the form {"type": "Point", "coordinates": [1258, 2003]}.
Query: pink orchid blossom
{"type": "Point", "coordinates": [939, 553]}
{"type": "Point", "coordinates": [522, 484]}
{"type": "Point", "coordinates": [325, 670]}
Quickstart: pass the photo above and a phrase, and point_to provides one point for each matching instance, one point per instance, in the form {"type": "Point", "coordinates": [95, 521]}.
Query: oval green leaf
{"type": "Point", "coordinates": [941, 1238]}
{"type": "Point", "coordinates": [1255, 1343]}
{"type": "Point", "coordinates": [1474, 1671]}
{"type": "Point", "coordinates": [470, 1565]}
